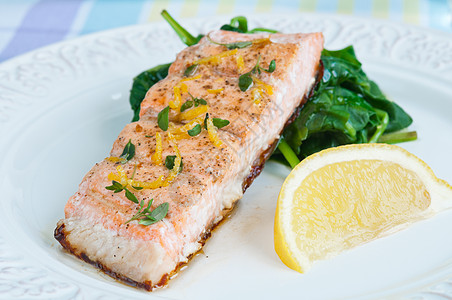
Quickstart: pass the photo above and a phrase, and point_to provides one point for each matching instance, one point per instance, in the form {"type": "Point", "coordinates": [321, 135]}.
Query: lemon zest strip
{"type": "Point", "coordinates": [183, 129]}
{"type": "Point", "coordinates": [268, 88]}
{"type": "Point", "coordinates": [121, 177]}
{"type": "Point", "coordinates": [157, 156]}
{"type": "Point", "coordinates": [260, 41]}
{"type": "Point", "coordinates": [191, 78]}
{"type": "Point", "coordinates": [114, 159]}
{"type": "Point", "coordinates": [215, 91]}
{"type": "Point", "coordinates": [257, 95]}
{"type": "Point", "coordinates": [178, 90]}
{"type": "Point", "coordinates": [193, 113]}
{"type": "Point", "coordinates": [213, 134]}
{"type": "Point", "coordinates": [216, 59]}
{"type": "Point", "coordinates": [147, 184]}
{"type": "Point", "coordinates": [240, 64]}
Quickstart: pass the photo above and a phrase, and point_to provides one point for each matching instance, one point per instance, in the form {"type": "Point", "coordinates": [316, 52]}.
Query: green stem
{"type": "Point", "coordinates": [398, 137]}
{"type": "Point", "coordinates": [183, 34]}
{"type": "Point", "coordinates": [288, 153]}
{"type": "Point", "coordinates": [240, 22]}
{"type": "Point", "coordinates": [381, 127]}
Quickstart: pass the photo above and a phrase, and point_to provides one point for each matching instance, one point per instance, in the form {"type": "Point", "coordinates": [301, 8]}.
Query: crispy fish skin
{"type": "Point", "coordinates": [213, 178]}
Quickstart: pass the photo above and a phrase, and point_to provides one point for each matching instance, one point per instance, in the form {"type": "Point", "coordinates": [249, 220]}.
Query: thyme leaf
{"type": "Point", "coordinates": [195, 130]}
{"type": "Point", "coordinates": [131, 196]}
{"type": "Point", "coordinates": [199, 101]}
{"type": "Point", "coordinates": [271, 67]}
{"type": "Point", "coordinates": [231, 46]}
{"type": "Point", "coordinates": [246, 80]}
{"type": "Point", "coordinates": [148, 216]}
{"type": "Point", "coordinates": [220, 123]}
{"type": "Point", "coordinates": [238, 45]}
{"type": "Point", "coordinates": [191, 70]}
{"type": "Point", "coordinates": [115, 187]}
{"type": "Point", "coordinates": [151, 217]}
{"type": "Point", "coordinates": [128, 153]}
{"type": "Point", "coordinates": [186, 105]}
{"type": "Point", "coordinates": [163, 118]}
{"type": "Point", "coordinates": [169, 162]}
{"type": "Point", "coordinates": [194, 101]}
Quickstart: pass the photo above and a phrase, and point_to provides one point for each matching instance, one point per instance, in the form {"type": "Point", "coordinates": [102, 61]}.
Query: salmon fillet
{"type": "Point", "coordinates": [213, 177]}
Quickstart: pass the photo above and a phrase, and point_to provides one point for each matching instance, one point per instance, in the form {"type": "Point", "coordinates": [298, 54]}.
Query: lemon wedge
{"type": "Point", "coordinates": [343, 197]}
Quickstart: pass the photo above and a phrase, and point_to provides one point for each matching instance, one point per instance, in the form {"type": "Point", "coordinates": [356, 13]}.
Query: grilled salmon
{"type": "Point", "coordinates": [256, 84]}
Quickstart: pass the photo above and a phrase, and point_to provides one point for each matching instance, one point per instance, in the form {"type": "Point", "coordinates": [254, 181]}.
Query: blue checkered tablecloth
{"type": "Point", "coordinates": [29, 24]}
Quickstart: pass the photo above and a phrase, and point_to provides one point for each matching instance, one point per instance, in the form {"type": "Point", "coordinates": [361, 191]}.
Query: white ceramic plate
{"type": "Point", "coordinates": [61, 107]}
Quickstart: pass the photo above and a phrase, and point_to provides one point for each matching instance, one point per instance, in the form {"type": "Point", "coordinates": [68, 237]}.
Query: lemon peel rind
{"type": "Point", "coordinates": [285, 245]}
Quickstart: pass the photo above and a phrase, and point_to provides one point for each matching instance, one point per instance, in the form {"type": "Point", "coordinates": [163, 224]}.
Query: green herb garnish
{"type": "Point", "coordinates": [130, 196]}
{"type": "Point", "coordinates": [187, 104]}
{"type": "Point", "coordinates": [271, 67]}
{"type": "Point", "coordinates": [246, 80]}
{"type": "Point", "coordinates": [146, 216]}
{"type": "Point", "coordinates": [194, 101]}
{"type": "Point", "coordinates": [217, 122]}
{"type": "Point", "coordinates": [199, 101]}
{"type": "Point", "coordinates": [163, 118]}
{"type": "Point", "coordinates": [231, 46]}
{"type": "Point", "coordinates": [220, 123]}
{"type": "Point", "coordinates": [169, 162]}
{"type": "Point", "coordinates": [195, 130]}
{"type": "Point", "coordinates": [128, 153]}
{"type": "Point", "coordinates": [117, 187]}
{"type": "Point", "coordinates": [205, 120]}
{"type": "Point", "coordinates": [191, 70]}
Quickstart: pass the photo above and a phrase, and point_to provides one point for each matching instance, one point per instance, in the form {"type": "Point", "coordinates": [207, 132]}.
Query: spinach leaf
{"type": "Point", "coordinates": [142, 83]}
{"type": "Point", "coordinates": [343, 68]}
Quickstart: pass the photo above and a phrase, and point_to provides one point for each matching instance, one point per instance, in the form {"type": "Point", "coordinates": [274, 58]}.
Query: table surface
{"type": "Point", "coordinates": [26, 25]}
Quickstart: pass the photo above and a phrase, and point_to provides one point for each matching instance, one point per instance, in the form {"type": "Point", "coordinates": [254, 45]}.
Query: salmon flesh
{"type": "Point", "coordinates": [218, 164]}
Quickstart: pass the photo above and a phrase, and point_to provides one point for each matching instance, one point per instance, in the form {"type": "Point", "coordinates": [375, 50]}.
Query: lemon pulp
{"type": "Point", "coordinates": [353, 211]}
